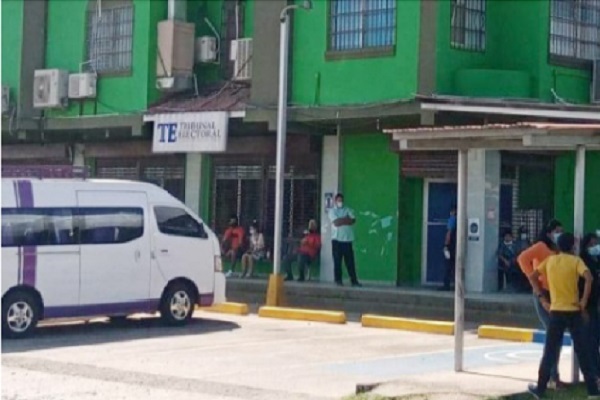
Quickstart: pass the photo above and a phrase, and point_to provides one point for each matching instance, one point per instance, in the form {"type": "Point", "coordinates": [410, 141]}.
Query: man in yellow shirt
{"type": "Point", "coordinates": [566, 312]}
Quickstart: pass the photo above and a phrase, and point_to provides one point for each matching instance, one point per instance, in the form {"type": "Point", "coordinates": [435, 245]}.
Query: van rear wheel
{"type": "Point", "coordinates": [177, 305]}
{"type": "Point", "coordinates": [20, 314]}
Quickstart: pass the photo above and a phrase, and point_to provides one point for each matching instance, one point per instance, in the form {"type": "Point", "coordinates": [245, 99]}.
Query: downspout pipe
{"type": "Point", "coordinates": [177, 10]}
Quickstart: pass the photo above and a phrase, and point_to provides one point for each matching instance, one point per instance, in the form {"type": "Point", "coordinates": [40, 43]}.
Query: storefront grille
{"type": "Point", "coordinates": [249, 192]}
{"type": "Point", "coordinates": [168, 173]}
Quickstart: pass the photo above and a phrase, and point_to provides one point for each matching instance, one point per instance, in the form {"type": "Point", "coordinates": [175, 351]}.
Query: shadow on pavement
{"type": "Point", "coordinates": [99, 331]}
{"type": "Point", "coordinates": [491, 375]}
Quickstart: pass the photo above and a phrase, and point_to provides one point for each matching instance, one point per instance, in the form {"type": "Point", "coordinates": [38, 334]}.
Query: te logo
{"type": "Point", "coordinates": [168, 132]}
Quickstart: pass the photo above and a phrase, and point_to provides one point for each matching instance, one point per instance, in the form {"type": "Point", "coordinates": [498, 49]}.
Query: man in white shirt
{"type": "Point", "coordinates": [342, 236]}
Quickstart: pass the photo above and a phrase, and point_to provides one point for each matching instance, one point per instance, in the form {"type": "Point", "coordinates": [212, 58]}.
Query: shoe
{"type": "Point", "coordinates": [289, 278]}
{"type": "Point", "coordinates": [356, 284]}
{"type": "Point", "coordinates": [339, 283]}
{"type": "Point", "coordinates": [556, 384]}
{"type": "Point", "coordinates": [444, 289]}
{"type": "Point", "coordinates": [533, 390]}
{"type": "Point", "coordinates": [300, 279]}
{"type": "Point", "coordinates": [229, 274]}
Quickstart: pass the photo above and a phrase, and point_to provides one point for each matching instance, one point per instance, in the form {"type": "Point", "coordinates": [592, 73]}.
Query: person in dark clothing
{"type": "Point", "coordinates": [590, 254]}
{"type": "Point", "coordinates": [507, 263]}
{"type": "Point", "coordinates": [567, 311]}
{"type": "Point", "coordinates": [450, 250]}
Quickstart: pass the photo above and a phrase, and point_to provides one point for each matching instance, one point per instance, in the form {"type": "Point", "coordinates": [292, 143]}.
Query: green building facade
{"type": "Point", "coordinates": [357, 67]}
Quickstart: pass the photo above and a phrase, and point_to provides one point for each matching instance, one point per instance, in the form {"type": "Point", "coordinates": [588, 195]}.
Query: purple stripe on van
{"type": "Point", "coordinates": [25, 200]}
{"type": "Point", "coordinates": [206, 300]}
{"type": "Point", "coordinates": [89, 310]}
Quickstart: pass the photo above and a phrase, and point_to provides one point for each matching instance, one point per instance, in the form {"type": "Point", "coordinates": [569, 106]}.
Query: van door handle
{"type": "Point", "coordinates": [137, 255]}
{"type": "Point", "coordinates": [164, 251]}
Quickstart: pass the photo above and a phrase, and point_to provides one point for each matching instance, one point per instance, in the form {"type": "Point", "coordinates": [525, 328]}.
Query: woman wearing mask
{"type": "Point", "coordinates": [256, 250]}
{"type": "Point", "coordinates": [528, 260]}
{"type": "Point", "coordinates": [590, 254]}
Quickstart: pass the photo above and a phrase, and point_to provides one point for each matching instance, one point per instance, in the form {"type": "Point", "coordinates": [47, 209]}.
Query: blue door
{"type": "Point", "coordinates": [441, 198]}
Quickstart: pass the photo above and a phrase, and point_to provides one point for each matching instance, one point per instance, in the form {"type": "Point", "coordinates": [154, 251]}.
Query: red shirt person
{"type": "Point", "coordinates": [233, 239]}
{"type": "Point", "coordinates": [309, 248]}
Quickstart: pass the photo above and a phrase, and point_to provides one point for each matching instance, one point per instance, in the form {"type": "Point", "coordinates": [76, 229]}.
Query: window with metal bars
{"type": "Point", "coordinates": [110, 36]}
{"type": "Point", "coordinates": [248, 191]}
{"type": "Point", "coordinates": [361, 24]}
{"type": "Point", "coordinates": [468, 24]}
{"type": "Point", "coordinates": [575, 29]}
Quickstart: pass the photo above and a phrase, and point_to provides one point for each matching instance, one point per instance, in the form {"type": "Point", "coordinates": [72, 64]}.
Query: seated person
{"type": "Point", "coordinates": [255, 252]}
{"type": "Point", "coordinates": [232, 243]}
{"type": "Point", "coordinates": [308, 251]}
{"type": "Point", "coordinates": [507, 263]}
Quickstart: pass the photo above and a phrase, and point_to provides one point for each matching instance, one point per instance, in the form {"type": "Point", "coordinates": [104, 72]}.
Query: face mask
{"type": "Point", "coordinates": [555, 236]}
{"type": "Point", "coordinates": [523, 236]}
{"type": "Point", "coordinates": [594, 251]}
{"type": "Point", "coordinates": [509, 243]}
{"type": "Point", "coordinates": [339, 204]}
{"type": "Point", "coordinates": [252, 231]}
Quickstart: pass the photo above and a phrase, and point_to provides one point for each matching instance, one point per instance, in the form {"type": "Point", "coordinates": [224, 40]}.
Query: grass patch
{"type": "Point", "coordinates": [571, 393]}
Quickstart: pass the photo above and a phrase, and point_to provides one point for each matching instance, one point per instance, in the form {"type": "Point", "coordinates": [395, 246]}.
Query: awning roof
{"type": "Point", "coordinates": [514, 107]}
{"type": "Point", "coordinates": [231, 97]}
{"type": "Point", "coordinates": [519, 136]}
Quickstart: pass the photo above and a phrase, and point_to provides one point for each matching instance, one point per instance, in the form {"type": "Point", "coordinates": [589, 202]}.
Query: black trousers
{"type": "Point", "coordinates": [559, 322]}
{"type": "Point", "coordinates": [450, 269]}
{"type": "Point", "coordinates": [343, 251]}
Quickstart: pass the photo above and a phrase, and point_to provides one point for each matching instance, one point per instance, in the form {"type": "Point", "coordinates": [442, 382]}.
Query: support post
{"type": "Point", "coordinates": [578, 223]}
{"type": "Point", "coordinates": [277, 286]}
{"type": "Point", "coordinates": [459, 287]}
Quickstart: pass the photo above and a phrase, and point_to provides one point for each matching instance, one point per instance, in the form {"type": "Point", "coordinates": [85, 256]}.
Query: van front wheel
{"type": "Point", "coordinates": [19, 314]}
{"type": "Point", "coordinates": [177, 305]}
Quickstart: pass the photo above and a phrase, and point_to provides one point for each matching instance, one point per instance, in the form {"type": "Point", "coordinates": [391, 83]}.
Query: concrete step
{"type": "Point", "coordinates": [497, 309]}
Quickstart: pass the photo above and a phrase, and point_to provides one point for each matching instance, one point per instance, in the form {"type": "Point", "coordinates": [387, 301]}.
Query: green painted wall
{"type": "Point", "coordinates": [515, 62]}
{"type": "Point", "coordinates": [410, 230]}
{"type": "Point", "coordinates": [66, 49]}
{"type": "Point", "coordinates": [351, 81]}
{"type": "Point", "coordinates": [536, 189]}
{"type": "Point", "coordinates": [564, 193]}
{"type": "Point", "coordinates": [12, 36]}
{"type": "Point", "coordinates": [370, 179]}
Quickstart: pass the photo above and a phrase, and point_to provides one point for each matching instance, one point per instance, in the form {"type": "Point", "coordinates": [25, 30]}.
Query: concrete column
{"type": "Point", "coordinates": [330, 180]}
{"type": "Point", "coordinates": [193, 181]}
{"type": "Point", "coordinates": [483, 205]}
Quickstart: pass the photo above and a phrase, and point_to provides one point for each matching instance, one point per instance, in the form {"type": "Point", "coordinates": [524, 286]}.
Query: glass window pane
{"type": "Point", "coordinates": [177, 222]}
{"type": "Point", "coordinates": [111, 225]}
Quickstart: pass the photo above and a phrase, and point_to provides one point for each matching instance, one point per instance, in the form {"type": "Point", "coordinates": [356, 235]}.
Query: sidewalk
{"type": "Point", "coordinates": [476, 384]}
{"type": "Point", "coordinates": [503, 309]}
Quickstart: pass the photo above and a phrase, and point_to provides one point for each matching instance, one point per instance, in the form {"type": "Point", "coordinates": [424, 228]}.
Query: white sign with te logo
{"type": "Point", "coordinates": [204, 132]}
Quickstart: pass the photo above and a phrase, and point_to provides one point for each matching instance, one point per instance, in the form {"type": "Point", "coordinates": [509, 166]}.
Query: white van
{"type": "Point", "coordinates": [82, 248]}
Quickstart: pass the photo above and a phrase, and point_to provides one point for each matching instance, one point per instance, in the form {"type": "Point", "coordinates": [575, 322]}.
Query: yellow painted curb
{"type": "Point", "coordinates": [504, 333]}
{"type": "Point", "coordinates": [334, 317]}
{"type": "Point", "coordinates": [228, 308]}
{"type": "Point", "coordinates": [406, 324]}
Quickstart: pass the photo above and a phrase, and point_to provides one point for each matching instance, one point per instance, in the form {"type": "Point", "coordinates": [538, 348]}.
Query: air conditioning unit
{"type": "Point", "coordinates": [82, 85]}
{"type": "Point", "coordinates": [206, 49]}
{"type": "Point", "coordinates": [596, 82]}
{"type": "Point", "coordinates": [50, 88]}
{"type": "Point", "coordinates": [5, 99]}
{"type": "Point", "coordinates": [241, 55]}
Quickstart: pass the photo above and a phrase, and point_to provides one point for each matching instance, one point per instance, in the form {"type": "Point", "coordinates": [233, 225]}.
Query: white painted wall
{"type": "Point", "coordinates": [483, 202]}
{"type": "Point", "coordinates": [193, 181]}
{"type": "Point", "coordinates": [330, 183]}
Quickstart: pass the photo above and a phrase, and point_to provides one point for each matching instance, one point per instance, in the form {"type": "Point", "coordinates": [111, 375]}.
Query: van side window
{"type": "Point", "coordinates": [60, 225]}
{"type": "Point", "coordinates": [24, 227]}
{"type": "Point", "coordinates": [177, 222]}
{"type": "Point", "coordinates": [109, 225]}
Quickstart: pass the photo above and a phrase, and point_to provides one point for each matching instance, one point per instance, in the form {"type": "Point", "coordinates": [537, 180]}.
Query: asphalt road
{"type": "Point", "coordinates": [221, 357]}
